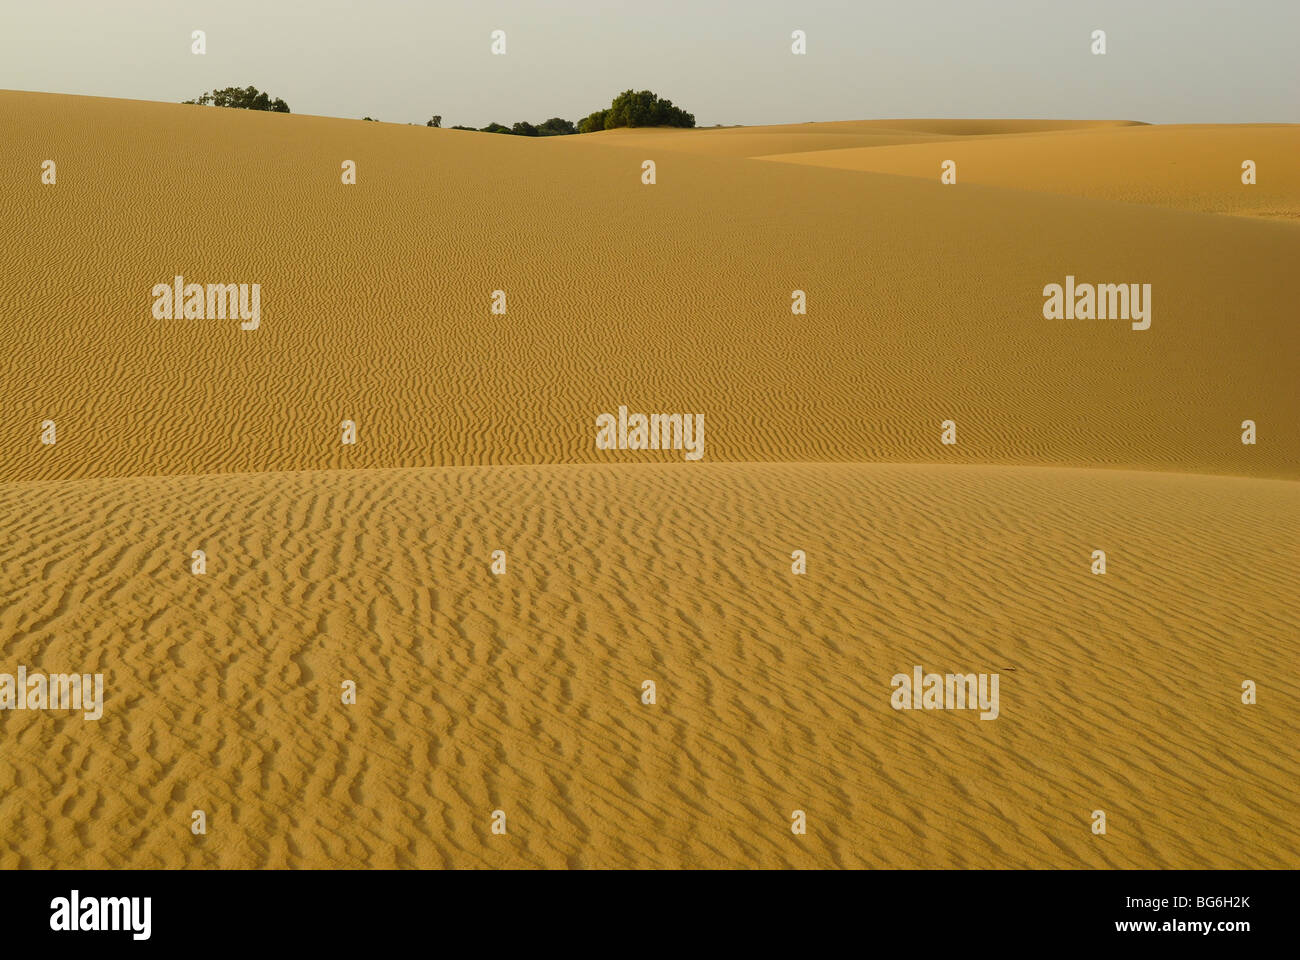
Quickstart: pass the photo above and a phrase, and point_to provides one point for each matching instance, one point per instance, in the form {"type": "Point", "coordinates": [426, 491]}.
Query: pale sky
{"type": "Point", "coordinates": [1168, 61]}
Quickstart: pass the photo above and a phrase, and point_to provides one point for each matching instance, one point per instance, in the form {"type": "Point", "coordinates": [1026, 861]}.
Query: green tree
{"type": "Point", "coordinates": [556, 127]}
{"type": "Point", "coordinates": [434, 121]}
{"type": "Point", "coordinates": [637, 108]}
{"type": "Point", "coordinates": [593, 122]}
{"type": "Point", "coordinates": [642, 108]}
{"type": "Point", "coordinates": [245, 98]}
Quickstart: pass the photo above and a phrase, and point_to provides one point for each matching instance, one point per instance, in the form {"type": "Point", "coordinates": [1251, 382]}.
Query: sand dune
{"type": "Point", "coordinates": [840, 135]}
{"type": "Point", "coordinates": [521, 692]}
{"type": "Point", "coordinates": [754, 142]}
{"type": "Point", "coordinates": [925, 304]}
{"type": "Point", "coordinates": [476, 432]}
{"type": "Point", "coordinates": [1188, 167]}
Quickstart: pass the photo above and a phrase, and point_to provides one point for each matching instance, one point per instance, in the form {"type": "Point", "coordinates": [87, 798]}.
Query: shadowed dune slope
{"type": "Point", "coordinates": [521, 692]}
{"type": "Point", "coordinates": [924, 304]}
{"type": "Point", "coordinates": [837, 135]}
{"type": "Point", "coordinates": [750, 142]}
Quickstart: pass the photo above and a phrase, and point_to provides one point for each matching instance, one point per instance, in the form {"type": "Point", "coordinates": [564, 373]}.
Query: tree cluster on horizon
{"type": "Point", "coordinates": [241, 98]}
{"type": "Point", "coordinates": [639, 108]}
{"type": "Point", "coordinates": [631, 108]}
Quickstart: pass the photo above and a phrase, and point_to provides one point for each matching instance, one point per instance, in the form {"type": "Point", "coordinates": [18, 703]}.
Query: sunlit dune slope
{"type": "Point", "coordinates": [924, 304]}
{"type": "Point", "coordinates": [1189, 167]}
{"type": "Point", "coordinates": [522, 692]}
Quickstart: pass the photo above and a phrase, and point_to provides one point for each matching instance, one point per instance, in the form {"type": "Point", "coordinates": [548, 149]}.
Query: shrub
{"type": "Point", "coordinates": [556, 127]}
{"type": "Point", "coordinates": [641, 108]}
{"type": "Point", "coordinates": [593, 122]}
{"type": "Point", "coordinates": [247, 98]}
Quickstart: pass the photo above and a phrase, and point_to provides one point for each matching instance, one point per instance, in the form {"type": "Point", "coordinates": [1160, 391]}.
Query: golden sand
{"type": "Point", "coordinates": [1186, 167]}
{"type": "Point", "coordinates": [475, 433]}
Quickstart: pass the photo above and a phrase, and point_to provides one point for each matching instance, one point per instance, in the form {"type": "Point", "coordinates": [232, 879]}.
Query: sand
{"type": "Point", "coordinates": [1186, 167]}
{"type": "Point", "coordinates": [476, 433]}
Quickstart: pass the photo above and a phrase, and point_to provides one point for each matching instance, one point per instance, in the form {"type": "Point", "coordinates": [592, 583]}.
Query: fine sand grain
{"type": "Point", "coordinates": [521, 692]}
{"type": "Point", "coordinates": [924, 304]}
{"type": "Point", "coordinates": [476, 433]}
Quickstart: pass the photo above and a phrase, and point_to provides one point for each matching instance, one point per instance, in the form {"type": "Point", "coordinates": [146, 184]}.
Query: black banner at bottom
{"type": "Point", "coordinates": [633, 910]}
